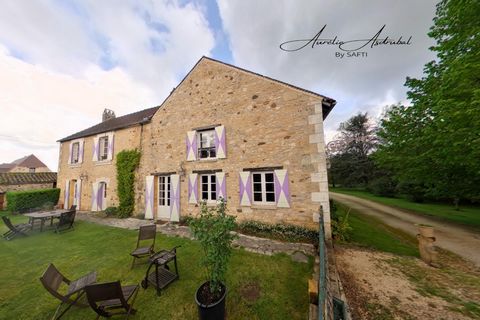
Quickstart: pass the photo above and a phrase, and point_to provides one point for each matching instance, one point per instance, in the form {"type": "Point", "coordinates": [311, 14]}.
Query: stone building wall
{"type": "Point", "coordinates": [27, 169]}
{"type": "Point", "coordinates": [267, 124]}
{"type": "Point", "coordinates": [90, 171]}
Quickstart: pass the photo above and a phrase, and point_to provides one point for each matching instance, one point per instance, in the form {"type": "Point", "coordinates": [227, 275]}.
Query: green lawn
{"type": "Point", "coordinates": [372, 233]}
{"type": "Point", "coordinates": [467, 216]}
{"type": "Point", "coordinates": [282, 282]}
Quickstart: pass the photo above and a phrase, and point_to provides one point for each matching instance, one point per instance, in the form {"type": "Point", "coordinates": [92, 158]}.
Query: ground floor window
{"type": "Point", "coordinates": [208, 187]}
{"type": "Point", "coordinates": [103, 187]}
{"type": "Point", "coordinates": [263, 187]}
{"type": "Point", "coordinates": [164, 191]}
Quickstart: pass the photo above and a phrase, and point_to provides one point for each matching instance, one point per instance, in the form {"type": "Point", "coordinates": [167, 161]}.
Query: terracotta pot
{"type": "Point", "coordinates": [426, 231]}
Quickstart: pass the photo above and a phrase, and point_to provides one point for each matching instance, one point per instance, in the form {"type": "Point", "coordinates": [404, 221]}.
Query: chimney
{"type": "Point", "coordinates": [107, 115]}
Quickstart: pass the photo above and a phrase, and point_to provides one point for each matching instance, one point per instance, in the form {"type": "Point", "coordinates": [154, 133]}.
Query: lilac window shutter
{"type": "Point", "coordinates": [282, 190]}
{"type": "Point", "coordinates": [111, 142]}
{"type": "Point", "coordinates": [245, 188]}
{"type": "Point", "coordinates": [192, 188]}
{"type": "Point", "coordinates": [220, 145]}
{"type": "Point", "coordinates": [80, 151]}
{"type": "Point", "coordinates": [221, 185]}
{"type": "Point", "coordinates": [191, 143]}
{"type": "Point", "coordinates": [70, 151]}
{"type": "Point", "coordinates": [95, 149]}
{"type": "Point", "coordinates": [100, 196]}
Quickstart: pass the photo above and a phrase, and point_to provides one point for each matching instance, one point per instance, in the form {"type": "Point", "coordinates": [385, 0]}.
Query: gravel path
{"type": "Point", "coordinates": [451, 237]}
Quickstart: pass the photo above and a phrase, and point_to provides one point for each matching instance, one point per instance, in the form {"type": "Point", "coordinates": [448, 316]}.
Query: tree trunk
{"type": "Point", "coordinates": [456, 201]}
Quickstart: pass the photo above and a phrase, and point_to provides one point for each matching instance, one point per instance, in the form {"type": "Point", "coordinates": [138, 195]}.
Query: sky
{"type": "Point", "coordinates": [62, 62]}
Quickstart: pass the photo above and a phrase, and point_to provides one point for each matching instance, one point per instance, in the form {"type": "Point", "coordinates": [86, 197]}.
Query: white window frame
{"type": "Point", "coordinates": [211, 143]}
{"type": "Point", "coordinates": [263, 192]}
{"type": "Point", "coordinates": [166, 197]}
{"type": "Point", "coordinates": [212, 181]}
{"type": "Point", "coordinates": [103, 148]}
{"type": "Point", "coordinates": [31, 170]}
{"type": "Point", "coordinates": [77, 159]}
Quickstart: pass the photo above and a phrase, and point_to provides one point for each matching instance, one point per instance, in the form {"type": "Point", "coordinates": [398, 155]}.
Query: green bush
{"type": "Point", "coordinates": [382, 186]}
{"type": "Point", "coordinates": [22, 201]}
{"type": "Point", "coordinates": [341, 229]}
{"type": "Point", "coordinates": [111, 211]}
{"type": "Point", "coordinates": [127, 163]}
{"type": "Point", "coordinates": [284, 232]}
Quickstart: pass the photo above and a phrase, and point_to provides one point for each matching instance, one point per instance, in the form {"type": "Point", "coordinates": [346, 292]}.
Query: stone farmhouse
{"type": "Point", "coordinates": [29, 164]}
{"type": "Point", "coordinates": [222, 132]}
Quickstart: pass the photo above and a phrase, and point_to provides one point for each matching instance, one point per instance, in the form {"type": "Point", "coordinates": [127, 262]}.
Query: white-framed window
{"type": "Point", "coordinates": [208, 187]}
{"type": "Point", "coordinates": [263, 186]}
{"type": "Point", "coordinates": [164, 191]}
{"type": "Point", "coordinates": [206, 144]}
{"type": "Point", "coordinates": [75, 152]}
{"type": "Point", "coordinates": [31, 170]}
{"type": "Point", "coordinates": [103, 148]}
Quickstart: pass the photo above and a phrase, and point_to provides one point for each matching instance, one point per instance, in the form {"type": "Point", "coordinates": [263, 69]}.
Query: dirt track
{"type": "Point", "coordinates": [451, 237]}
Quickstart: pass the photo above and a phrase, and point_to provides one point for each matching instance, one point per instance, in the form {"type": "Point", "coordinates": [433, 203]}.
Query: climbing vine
{"type": "Point", "coordinates": [127, 163]}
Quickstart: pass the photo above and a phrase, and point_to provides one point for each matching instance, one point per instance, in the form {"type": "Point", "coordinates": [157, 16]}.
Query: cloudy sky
{"type": "Point", "coordinates": [63, 62]}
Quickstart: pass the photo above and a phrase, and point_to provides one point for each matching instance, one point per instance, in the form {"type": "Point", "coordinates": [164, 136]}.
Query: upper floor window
{"type": "Point", "coordinates": [75, 152]}
{"type": "Point", "coordinates": [263, 187]}
{"type": "Point", "coordinates": [103, 148]}
{"type": "Point", "coordinates": [208, 187]}
{"type": "Point", "coordinates": [31, 170]}
{"type": "Point", "coordinates": [206, 144]}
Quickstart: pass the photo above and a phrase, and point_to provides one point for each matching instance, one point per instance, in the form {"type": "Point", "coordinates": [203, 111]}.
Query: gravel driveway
{"type": "Point", "coordinates": [465, 243]}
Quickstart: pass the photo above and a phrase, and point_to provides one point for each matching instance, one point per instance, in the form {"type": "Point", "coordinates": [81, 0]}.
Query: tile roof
{"type": "Point", "coordinates": [30, 161]}
{"type": "Point", "coordinates": [9, 178]}
{"type": "Point", "coordinates": [115, 124]}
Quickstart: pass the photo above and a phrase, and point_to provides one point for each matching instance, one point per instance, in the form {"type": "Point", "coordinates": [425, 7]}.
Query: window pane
{"type": "Point", "coordinates": [257, 196]}
{"type": "Point", "coordinates": [204, 179]}
{"type": "Point", "coordinates": [213, 195]}
{"type": "Point", "coordinates": [257, 187]}
{"type": "Point", "coordinates": [270, 197]}
{"type": "Point", "coordinates": [214, 178]}
{"type": "Point", "coordinates": [204, 195]}
{"type": "Point", "coordinates": [257, 177]}
{"type": "Point", "coordinates": [270, 187]}
{"type": "Point", "coordinates": [269, 177]}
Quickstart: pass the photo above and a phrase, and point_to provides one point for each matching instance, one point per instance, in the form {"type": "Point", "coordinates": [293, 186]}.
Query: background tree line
{"type": "Point", "coordinates": [431, 148]}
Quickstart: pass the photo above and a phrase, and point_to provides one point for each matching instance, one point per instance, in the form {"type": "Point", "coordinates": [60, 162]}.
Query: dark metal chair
{"type": "Point", "coordinates": [146, 233]}
{"type": "Point", "coordinates": [73, 207]}
{"type": "Point", "coordinates": [65, 221]}
{"type": "Point", "coordinates": [52, 279]}
{"type": "Point", "coordinates": [15, 230]}
{"type": "Point", "coordinates": [110, 299]}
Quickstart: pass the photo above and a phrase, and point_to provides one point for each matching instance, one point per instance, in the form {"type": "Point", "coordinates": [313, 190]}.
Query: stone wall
{"type": "Point", "coordinates": [27, 169]}
{"type": "Point", "coordinates": [90, 171]}
{"type": "Point", "coordinates": [267, 125]}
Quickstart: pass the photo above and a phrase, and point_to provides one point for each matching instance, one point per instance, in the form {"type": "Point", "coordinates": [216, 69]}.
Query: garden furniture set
{"type": "Point", "coordinates": [111, 298]}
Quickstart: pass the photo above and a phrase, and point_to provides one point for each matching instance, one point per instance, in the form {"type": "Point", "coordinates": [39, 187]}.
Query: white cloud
{"type": "Point", "coordinates": [51, 54]}
{"type": "Point", "coordinates": [358, 84]}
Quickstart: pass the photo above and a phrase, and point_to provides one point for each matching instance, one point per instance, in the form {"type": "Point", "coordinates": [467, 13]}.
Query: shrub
{"type": "Point", "coordinates": [213, 229]}
{"type": "Point", "coordinates": [111, 211]}
{"type": "Point", "coordinates": [285, 232]}
{"type": "Point", "coordinates": [382, 186]}
{"type": "Point", "coordinates": [22, 201]}
{"type": "Point", "coordinates": [341, 229]}
{"type": "Point", "coordinates": [127, 163]}
{"type": "Point", "coordinates": [414, 191]}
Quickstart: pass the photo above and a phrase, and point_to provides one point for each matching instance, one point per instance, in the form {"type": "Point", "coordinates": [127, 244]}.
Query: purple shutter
{"type": "Point", "coordinates": [282, 191]}
{"type": "Point", "coordinates": [220, 145]}
{"type": "Point", "coordinates": [221, 185]}
{"type": "Point", "coordinates": [100, 196]}
{"type": "Point", "coordinates": [245, 188]}
{"type": "Point", "coordinates": [193, 188]}
{"type": "Point", "coordinates": [95, 149]}
{"type": "Point", "coordinates": [191, 142]}
{"type": "Point", "coordinates": [111, 140]}
{"type": "Point", "coordinates": [80, 151]}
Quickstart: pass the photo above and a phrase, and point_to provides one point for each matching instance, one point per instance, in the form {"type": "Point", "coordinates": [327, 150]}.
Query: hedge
{"type": "Point", "coordinates": [284, 232]}
{"type": "Point", "coordinates": [127, 164]}
{"type": "Point", "coordinates": [22, 201]}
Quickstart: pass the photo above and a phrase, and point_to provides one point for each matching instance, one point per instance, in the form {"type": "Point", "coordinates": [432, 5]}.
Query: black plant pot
{"type": "Point", "coordinates": [213, 311]}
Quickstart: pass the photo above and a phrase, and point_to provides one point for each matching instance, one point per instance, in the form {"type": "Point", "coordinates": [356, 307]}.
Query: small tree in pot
{"type": "Point", "coordinates": [213, 229]}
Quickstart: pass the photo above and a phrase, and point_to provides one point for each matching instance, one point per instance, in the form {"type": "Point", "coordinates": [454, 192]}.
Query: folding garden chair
{"type": "Point", "coordinates": [145, 234]}
{"type": "Point", "coordinates": [15, 230]}
{"type": "Point", "coordinates": [65, 221]}
{"type": "Point", "coordinates": [52, 279]}
{"type": "Point", "coordinates": [110, 299]}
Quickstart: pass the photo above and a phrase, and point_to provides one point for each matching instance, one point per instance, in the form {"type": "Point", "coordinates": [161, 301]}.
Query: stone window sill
{"type": "Point", "coordinates": [75, 165]}
{"type": "Point", "coordinates": [102, 163]}
{"type": "Point", "coordinates": [264, 207]}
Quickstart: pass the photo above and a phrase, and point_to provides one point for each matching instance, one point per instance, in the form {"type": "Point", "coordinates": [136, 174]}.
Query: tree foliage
{"type": "Point", "coordinates": [435, 142]}
{"type": "Point", "coordinates": [350, 163]}
{"type": "Point", "coordinates": [127, 163]}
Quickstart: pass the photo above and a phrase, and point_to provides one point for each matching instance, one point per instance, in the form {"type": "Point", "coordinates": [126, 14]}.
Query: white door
{"type": "Point", "coordinates": [75, 191]}
{"type": "Point", "coordinates": [164, 197]}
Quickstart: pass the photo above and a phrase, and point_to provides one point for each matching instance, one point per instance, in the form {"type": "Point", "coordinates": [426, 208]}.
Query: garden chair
{"type": "Point", "coordinates": [146, 233]}
{"type": "Point", "coordinates": [73, 207]}
{"type": "Point", "coordinates": [110, 299]}
{"type": "Point", "coordinates": [66, 221]}
{"type": "Point", "coordinates": [15, 230]}
{"type": "Point", "coordinates": [52, 279]}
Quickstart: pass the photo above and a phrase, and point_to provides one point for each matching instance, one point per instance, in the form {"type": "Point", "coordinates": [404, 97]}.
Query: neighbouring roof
{"type": "Point", "coordinates": [10, 178]}
{"type": "Point", "coordinates": [30, 161]}
{"type": "Point", "coordinates": [115, 124]}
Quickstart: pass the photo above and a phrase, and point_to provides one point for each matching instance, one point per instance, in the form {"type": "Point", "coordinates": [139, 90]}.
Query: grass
{"type": "Point", "coordinates": [372, 233]}
{"type": "Point", "coordinates": [466, 216]}
{"type": "Point", "coordinates": [282, 282]}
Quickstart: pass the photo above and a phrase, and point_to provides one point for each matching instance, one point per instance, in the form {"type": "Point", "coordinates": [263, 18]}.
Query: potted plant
{"type": "Point", "coordinates": [213, 230]}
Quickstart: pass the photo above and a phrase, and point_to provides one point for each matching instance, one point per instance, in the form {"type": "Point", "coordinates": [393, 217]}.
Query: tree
{"type": "Point", "coordinates": [435, 142]}
{"type": "Point", "coordinates": [350, 164]}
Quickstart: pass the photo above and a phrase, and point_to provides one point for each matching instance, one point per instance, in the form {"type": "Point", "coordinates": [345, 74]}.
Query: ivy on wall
{"type": "Point", "coordinates": [127, 163]}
